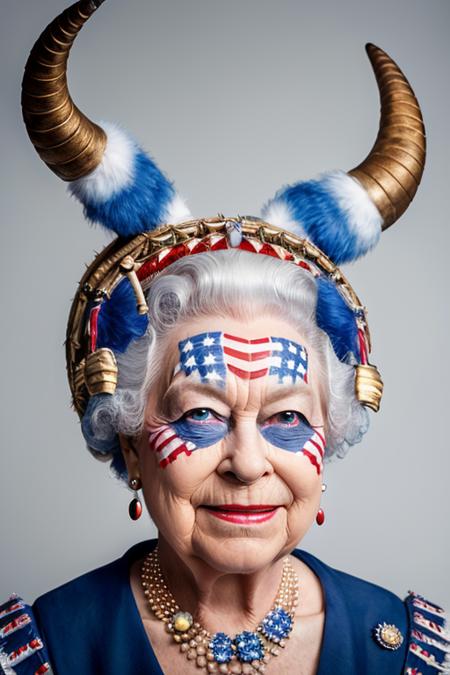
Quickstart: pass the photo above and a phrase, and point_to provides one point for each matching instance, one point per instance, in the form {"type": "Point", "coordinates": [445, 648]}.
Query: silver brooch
{"type": "Point", "coordinates": [388, 636]}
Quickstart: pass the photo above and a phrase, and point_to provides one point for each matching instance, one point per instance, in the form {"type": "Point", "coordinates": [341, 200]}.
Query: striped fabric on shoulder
{"type": "Point", "coordinates": [22, 650]}
{"type": "Point", "coordinates": [429, 640]}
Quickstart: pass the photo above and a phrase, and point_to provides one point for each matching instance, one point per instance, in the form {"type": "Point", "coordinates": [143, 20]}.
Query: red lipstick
{"type": "Point", "coordinates": [243, 514]}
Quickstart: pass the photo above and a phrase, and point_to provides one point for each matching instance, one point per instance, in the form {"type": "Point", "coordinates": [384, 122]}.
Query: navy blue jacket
{"type": "Point", "coordinates": [91, 626]}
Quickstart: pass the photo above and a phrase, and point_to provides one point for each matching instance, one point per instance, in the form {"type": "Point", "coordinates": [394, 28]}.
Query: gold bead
{"type": "Point", "coordinates": [201, 661]}
{"type": "Point", "coordinates": [191, 654]}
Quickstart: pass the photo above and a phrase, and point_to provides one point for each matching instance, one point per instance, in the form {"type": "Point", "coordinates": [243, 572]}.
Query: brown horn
{"type": "Point", "coordinates": [66, 140]}
{"type": "Point", "coordinates": [393, 169]}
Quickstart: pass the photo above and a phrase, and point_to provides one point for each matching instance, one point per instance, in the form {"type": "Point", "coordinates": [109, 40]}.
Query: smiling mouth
{"type": "Point", "coordinates": [246, 514]}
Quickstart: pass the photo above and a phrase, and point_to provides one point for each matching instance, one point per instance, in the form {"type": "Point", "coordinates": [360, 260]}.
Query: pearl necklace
{"type": "Point", "coordinates": [248, 652]}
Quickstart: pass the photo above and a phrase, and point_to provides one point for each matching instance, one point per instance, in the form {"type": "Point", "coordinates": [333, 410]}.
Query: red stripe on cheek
{"type": "Point", "coordinates": [312, 459]}
{"type": "Point", "coordinates": [165, 442]}
{"type": "Point", "coordinates": [319, 447]}
{"type": "Point", "coordinates": [173, 455]}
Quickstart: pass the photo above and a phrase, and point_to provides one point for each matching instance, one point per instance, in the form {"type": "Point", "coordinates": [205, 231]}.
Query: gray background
{"type": "Point", "coordinates": [233, 99]}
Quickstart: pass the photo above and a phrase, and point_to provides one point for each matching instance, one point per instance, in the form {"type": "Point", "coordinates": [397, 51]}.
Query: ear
{"type": "Point", "coordinates": [130, 456]}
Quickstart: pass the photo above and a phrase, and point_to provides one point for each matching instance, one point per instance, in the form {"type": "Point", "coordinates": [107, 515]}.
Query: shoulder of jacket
{"type": "Point", "coordinates": [22, 649]}
{"type": "Point", "coordinates": [429, 638]}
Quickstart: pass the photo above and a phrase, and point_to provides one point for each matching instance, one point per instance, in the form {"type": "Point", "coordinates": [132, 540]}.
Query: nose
{"type": "Point", "coordinates": [246, 459]}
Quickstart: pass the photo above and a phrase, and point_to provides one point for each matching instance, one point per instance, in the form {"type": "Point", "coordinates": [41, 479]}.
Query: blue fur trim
{"type": "Point", "coordinates": [336, 318]}
{"type": "Point", "coordinates": [321, 220]}
{"type": "Point", "coordinates": [118, 321]}
{"type": "Point", "coordinates": [139, 207]}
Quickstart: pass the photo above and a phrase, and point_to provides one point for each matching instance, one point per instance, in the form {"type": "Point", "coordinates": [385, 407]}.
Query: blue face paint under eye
{"type": "Point", "coordinates": [286, 435]}
{"type": "Point", "coordinates": [201, 427]}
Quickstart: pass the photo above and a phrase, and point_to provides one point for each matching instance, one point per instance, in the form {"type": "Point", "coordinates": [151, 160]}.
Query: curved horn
{"type": "Point", "coordinates": [393, 169]}
{"type": "Point", "coordinates": [66, 140]}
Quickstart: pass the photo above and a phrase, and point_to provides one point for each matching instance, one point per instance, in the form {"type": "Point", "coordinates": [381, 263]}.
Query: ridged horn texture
{"type": "Point", "coordinates": [393, 169]}
{"type": "Point", "coordinates": [66, 140]}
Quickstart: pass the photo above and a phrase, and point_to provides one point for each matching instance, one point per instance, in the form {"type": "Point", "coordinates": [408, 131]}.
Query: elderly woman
{"type": "Point", "coordinates": [217, 363]}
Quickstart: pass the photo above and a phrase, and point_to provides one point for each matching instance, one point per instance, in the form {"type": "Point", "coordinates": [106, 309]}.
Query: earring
{"type": "Point", "coordinates": [320, 518]}
{"type": "Point", "coordinates": [135, 506]}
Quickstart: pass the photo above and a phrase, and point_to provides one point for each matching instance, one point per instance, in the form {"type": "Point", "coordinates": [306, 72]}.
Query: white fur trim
{"type": "Point", "coordinates": [277, 213]}
{"type": "Point", "coordinates": [364, 219]}
{"type": "Point", "coordinates": [115, 171]}
{"type": "Point", "coordinates": [177, 211]}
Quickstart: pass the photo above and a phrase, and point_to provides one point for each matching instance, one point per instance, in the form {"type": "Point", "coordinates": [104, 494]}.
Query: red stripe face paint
{"type": "Point", "coordinates": [164, 441]}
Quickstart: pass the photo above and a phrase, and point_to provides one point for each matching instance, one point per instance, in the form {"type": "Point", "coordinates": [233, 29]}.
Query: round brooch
{"type": "Point", "coordinates": [388, 636]}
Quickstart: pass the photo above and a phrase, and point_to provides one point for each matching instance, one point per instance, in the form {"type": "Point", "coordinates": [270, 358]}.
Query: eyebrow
{"type": "Point", "coordinates": [220, 395]}
{"type": "Point", "coordinates": [197, 387]}
{"type": "Point", "coordinates": [284, 391]}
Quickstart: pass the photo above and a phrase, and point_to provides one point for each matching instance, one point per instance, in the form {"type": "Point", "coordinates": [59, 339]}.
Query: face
{"type": "Point", "coordinates": [231, 456]}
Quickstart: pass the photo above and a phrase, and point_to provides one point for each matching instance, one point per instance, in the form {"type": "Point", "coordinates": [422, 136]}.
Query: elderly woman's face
{"type": "Point", "coordinates": [231, 456]}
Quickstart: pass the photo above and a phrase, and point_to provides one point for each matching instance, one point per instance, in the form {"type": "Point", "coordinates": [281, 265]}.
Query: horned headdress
{"type": "Point", "coordinates": [315, 224]}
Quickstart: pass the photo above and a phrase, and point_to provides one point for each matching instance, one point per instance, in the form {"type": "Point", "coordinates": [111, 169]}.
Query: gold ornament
{"type": "Point", "coordinates": [182, 621]}
{"type": "Point", "coordinates": [128, 268]}
{"type": "Point", "coordinates": [388, 636]}
{"type": "Point", "coordinates": [368, 386]}
{"type": "Point", "coordinates": [101, 372]}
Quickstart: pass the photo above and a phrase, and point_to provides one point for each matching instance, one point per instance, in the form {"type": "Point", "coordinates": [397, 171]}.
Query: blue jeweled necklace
{"type": "Point", "coordinates": [249, 651]}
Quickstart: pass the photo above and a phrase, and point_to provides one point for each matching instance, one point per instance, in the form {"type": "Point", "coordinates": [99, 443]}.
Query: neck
{"type": "Point", "coordinates": [219, 601]}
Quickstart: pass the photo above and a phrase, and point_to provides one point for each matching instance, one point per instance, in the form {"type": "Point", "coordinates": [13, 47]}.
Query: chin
{"type": "Point", "coordinates": [241, 554]}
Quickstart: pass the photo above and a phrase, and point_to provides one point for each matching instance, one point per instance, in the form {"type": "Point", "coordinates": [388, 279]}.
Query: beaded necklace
{"type": "Point", "coordinates": [249, 651]}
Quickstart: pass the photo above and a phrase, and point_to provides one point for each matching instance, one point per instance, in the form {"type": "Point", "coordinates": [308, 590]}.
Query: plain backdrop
{"type": "Point", "coordinates": [233, 99]}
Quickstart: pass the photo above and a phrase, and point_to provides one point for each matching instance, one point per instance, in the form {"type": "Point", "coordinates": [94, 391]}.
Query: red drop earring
{"type": "Point", "coordinates": [320, 518]}
{"type": "Point", "coordinates": [135, 506]}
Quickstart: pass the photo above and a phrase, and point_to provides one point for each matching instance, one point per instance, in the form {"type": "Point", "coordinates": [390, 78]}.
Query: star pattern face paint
{"type": "Point", "coordinates": [212, 354]}
{"type": "Point", "coordinates": [291, 431]}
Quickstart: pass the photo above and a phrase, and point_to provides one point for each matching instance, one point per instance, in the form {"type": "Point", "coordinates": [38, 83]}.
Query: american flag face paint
{"type": "Point", "coordinates": [291, 431]}
{"type": "Point", "coordinates": [197, 430]}
{"type": "Point", "coordinates": [202, 428]}
{"type": "Point", "coordinates": [167, 444]}
{"type": "Point", "coordinates": [210, 355]}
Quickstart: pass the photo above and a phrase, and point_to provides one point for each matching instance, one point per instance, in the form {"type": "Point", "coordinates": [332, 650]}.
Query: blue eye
{"type": "Point", "coordinates": [199, 415]}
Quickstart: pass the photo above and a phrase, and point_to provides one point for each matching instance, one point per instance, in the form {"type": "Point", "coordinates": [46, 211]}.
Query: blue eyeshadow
{"type": "Point", "coordinates": [203, 434]}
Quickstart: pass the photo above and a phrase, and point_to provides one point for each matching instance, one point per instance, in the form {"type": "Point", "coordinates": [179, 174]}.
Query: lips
{"type": "Point", "coordinates": [244, 514]}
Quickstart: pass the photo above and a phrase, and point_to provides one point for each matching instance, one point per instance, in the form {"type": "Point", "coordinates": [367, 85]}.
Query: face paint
{"type": "Point", "coordinates": [201, 427]}
{"type": "Point", "coordinates": [198, 429]}
{"type": "Point", "coordinates": [166, 443]}
{"type": "Point", "coordinates": [211, 354]}
{"type": "Point", "coordinates": [294, 432]}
